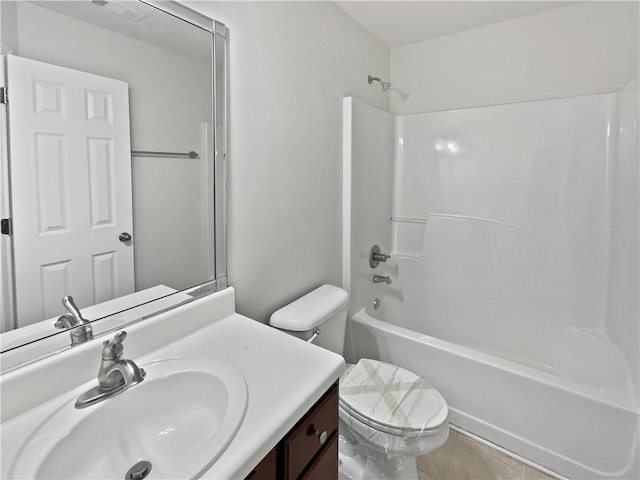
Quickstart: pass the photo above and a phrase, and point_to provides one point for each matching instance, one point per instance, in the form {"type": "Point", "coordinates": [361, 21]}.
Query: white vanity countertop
{"type": "Point", "coordinates": [285, 376]}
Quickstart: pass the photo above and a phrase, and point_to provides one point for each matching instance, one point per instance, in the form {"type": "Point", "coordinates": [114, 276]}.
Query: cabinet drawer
{"type": "Point", "coordinates": [303, 442]}
{"type": "Point", "coordinates": [325, 466]}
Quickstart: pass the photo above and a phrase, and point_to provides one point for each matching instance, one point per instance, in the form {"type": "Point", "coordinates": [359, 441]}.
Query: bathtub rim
{"type": "Point", "coordinates": [620, 397]}
{"type": "Point", "coordinates": [497, 433]}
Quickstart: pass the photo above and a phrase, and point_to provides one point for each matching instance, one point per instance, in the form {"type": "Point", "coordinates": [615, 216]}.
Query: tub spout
{"type": "Point", "coordinates": [382, 279]}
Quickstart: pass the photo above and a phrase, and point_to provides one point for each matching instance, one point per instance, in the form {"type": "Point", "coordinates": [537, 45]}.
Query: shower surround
{"type": "Point", "coordinates": [513, 231]}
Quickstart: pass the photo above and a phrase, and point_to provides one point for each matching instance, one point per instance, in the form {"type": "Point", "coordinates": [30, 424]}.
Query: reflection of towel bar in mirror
{"type": "Point", "coordinates": [144, 153]}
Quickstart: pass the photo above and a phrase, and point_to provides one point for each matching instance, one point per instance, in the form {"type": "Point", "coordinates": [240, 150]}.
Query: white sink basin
{"type": "Point", "coordinates": [180, 419]}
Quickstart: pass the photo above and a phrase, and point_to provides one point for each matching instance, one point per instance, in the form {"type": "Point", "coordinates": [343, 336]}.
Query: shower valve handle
{"type": "Point", "coordinates": [376, 256]}
{"type": "Point", "coordinates": [381, 257]}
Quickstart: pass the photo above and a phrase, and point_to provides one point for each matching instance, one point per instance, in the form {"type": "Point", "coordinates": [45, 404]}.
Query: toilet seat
{"type": "Point", "coordinates": [374, 438]}
{"type": "Point", "coordinates": [392, 400]}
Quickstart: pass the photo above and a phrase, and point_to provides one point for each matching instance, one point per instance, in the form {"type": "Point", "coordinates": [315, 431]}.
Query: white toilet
{"type": "Point", "coordinates": [388, 415]}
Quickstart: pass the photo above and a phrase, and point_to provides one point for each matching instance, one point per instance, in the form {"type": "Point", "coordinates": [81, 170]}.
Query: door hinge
{"type": "Point", "coordinates": [4, 95]}
{"type": "Point", "coordinates": [6, 226]}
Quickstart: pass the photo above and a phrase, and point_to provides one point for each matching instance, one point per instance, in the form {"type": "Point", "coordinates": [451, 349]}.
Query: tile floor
{"type": "Point", "coordinates": [463, 458]}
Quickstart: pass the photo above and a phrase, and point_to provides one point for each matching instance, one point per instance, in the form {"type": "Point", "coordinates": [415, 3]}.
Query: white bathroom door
{"type": "Point", "coordinates": [70, 160]}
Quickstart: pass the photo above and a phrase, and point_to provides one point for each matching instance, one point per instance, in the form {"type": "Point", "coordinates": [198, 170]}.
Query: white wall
{"type": "Point", "coordinates": [582, 49]}
{"type": "Point", "coordinates": [169, 95]}
{"type": "Point", "coordinates": [291, 63]}
{"type": "Point", "coordinates": [368, 160]}
{"type": "Point", "coordinates": [590, 47]}
{"type": "Point", "coordinates": [623, 318]}
{"type": "Point", "coordinates": [515, 244]}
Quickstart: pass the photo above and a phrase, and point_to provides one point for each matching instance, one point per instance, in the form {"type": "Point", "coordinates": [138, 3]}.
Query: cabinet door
{"type": "Point", "coordinates": [325, 466]}
{"type": "Point", "coordinates": [311, 435]}
{"type": "Point", "coordinates": [267, 468]}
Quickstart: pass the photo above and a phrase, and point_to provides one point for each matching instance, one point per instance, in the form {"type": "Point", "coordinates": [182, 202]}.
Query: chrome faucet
{"type": "Point", "coordinates": [115, 374]}
{"type": "Point", "coordinates": [80, 328]}
{"type": "Point", "coordinates": [381, 279]}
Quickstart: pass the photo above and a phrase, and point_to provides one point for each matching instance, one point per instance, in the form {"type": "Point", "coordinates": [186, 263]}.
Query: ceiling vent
{"type": "Point", "coordinates": [120, 10]}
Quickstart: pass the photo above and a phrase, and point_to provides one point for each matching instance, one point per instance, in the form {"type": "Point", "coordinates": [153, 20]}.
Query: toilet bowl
{"type": "Point", "coordinates": [388, 415]}
{"type": "Point", "coordinates": [393, 414]}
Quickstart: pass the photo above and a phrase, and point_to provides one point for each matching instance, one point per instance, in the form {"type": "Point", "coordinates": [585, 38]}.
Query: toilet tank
{"type": "Point", "coordinates": [324, 308]}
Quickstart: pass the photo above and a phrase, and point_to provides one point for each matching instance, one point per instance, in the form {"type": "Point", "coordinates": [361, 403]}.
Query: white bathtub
{"type": "Point", "coordinates": [570, 425]}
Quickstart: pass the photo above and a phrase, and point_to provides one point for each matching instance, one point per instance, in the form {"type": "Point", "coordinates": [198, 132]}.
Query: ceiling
{"type": "Point", "coordinates": [398, 23]}
{"type": "Point", "coordinates": [139, 21]}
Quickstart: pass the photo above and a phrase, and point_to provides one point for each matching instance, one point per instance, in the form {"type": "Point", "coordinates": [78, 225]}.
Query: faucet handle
{"type": "Point", "coordinates": [113, 348]}
{"type": "Point", "coordinates": [376, 256]}
{"type": "Point", "coordinates": [70, 305]}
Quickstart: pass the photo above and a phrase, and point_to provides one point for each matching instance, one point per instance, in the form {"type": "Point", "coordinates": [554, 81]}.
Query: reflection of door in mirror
{"type": "Point", "coordinates": [71, 166]}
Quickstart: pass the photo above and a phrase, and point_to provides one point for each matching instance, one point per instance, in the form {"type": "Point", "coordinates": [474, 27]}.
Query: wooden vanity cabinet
{"type": "Point", "coordinates": [267, 469]}
{"type": "Point", "coordinates": [310, 450]}
{"type": "Point", "coordinates": [307, 447]}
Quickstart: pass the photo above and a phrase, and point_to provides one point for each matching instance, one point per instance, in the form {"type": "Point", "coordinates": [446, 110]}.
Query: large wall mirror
{"type": "Point", "coordinates": [113, 153]}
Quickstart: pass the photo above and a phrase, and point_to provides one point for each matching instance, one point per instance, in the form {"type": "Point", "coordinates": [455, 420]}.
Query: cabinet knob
{"type": "Point", "coordinates": [321, 436]}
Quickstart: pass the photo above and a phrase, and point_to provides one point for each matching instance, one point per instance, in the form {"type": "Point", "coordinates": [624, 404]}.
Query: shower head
{"type": "Point", "coordinates": [385, 85]}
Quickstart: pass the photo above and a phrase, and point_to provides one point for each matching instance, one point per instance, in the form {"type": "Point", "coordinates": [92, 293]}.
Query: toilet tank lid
{"type": "Point", "coordinates": [310, 310]}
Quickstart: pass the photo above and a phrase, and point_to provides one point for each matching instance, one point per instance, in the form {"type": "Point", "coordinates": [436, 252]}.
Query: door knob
{"type": "Point", "coordinates": [125, 237]}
